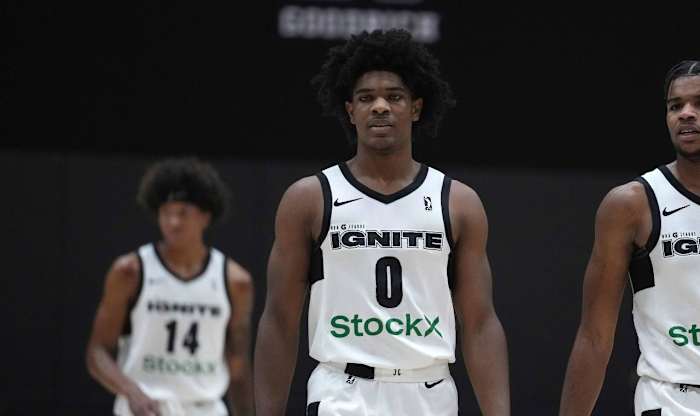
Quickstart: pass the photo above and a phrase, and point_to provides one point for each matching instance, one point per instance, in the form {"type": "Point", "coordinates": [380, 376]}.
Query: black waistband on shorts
{"type": "Point", "coordinates": [682, 385]}
{"type": "Point", "coordinates": [360, 370]}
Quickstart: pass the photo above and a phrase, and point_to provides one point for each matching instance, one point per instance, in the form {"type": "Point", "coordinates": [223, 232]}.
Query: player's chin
{"type": "Point", "coordinates": [690, 151]}
{"type": "Point", "coordinates": [175, 239]}
{"type": "Point", "coordinates": [381, 142]}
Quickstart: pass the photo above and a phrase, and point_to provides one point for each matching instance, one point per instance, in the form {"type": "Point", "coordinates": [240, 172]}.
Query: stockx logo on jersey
{"type": "Point", "coordinates": [683, 336]}
{"type": "Point", "coordinates": [428, 240]}
{"type": "Point", "coordinates": [680, 244]}
{"type": "Point", "coordinates": [407, 325]}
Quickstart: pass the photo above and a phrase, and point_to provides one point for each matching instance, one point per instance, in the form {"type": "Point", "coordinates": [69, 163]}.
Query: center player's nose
{"type": "Point", "coordinates": [380, 105]}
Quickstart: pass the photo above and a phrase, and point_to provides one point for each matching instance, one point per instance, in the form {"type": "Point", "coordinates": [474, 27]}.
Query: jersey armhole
{"type": "Point", "coordinates": [447, 223]}
{"type": "Point", "coordinates": [316, 260]}
{"type": "Point", "coordinates": [445, 203]}
{"type": "Point", "coordinates": [126, 330]}
{"type": "Point", "coordinates": [226, 283]}
{"type": "Point", "coordinates": [655, 220]}
{"type": "Point", "coordinates": [327, 207]}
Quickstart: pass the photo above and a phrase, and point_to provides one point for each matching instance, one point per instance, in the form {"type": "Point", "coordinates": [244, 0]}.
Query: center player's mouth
{"type": "Point", "coordinates": [380, 123]}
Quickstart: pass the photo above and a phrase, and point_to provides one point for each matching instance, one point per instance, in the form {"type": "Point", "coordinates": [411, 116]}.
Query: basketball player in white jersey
{"type": "Point", "coordinates": [650, 229]}
{"type": "Point", "coordinates": [176, 311]}
{"type": "Point", "coordinates": [389, 249]}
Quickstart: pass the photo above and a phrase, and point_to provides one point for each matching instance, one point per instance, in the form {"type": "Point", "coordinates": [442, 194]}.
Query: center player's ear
{"type": "Point", "coordinates": [416, 108]}
{"type": "Point", "coordinates": [349, 108]}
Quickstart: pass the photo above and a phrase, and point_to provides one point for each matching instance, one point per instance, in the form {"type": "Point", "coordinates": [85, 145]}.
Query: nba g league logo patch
{"type": "Point", "coordinates": [428, 203]}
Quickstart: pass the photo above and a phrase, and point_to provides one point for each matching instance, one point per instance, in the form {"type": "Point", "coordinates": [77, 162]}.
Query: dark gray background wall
{"type": "Point", "coordinates": [67, 217]}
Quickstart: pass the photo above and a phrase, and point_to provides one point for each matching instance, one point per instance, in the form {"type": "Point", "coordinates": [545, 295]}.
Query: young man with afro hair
{"type": "Point", "coordinates": [389, 248]}
{"type": "Point", "coordinates": [177, 311]}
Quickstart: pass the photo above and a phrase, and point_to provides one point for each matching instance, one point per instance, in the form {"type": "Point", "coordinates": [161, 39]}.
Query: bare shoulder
{"type": "Point", "coordinates": [304, 189]}
{"type": "Point", "coordinates": [467, 214]}
{"type": "Point", "coordinates": [464, 197]}
{"type": "Point", "coordinates": [237, 275]}
{"type": "Point", "coordinates": [627, 201]}
{"type": "Point", "coordinates": [126, 267]}
{"type": "Point", "coordinates": [124, 276]}
{"type": "Point", "coordinates": [301, 209]}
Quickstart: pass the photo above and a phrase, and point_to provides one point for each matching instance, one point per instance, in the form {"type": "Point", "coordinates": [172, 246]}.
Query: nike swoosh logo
{"type": "Point", "coordinates": [431, 385]}
{"type": "Point", "coordinates": [667, 213]}
{"type": "Point", "coordinates": [337, 204]}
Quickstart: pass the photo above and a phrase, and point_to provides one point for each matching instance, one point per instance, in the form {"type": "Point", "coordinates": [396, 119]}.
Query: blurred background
{"type": "Point", "coordinates": [555, 107]}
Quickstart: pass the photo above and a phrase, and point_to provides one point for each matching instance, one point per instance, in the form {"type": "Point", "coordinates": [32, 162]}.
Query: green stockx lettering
{"type": "Point", "coordinates": [344, 326]}
{"type": "Point", "coordinates": [683, 336]}
{"type": "Point", "coordinates": [162, 365]}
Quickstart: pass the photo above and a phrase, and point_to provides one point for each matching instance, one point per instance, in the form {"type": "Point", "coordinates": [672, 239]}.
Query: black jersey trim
{"type": "Point", "coordinates": [316, 258]}
{"type": "Point", "coordinates": [126, 328]}
{"type": "Point", "coordinates": [678, 185]}
{"type": "Point", "coordinates": [655, 216]}
{"type": "Point", "coordinates": [205, 266]}
{"type": "Point", "coordinates": [654, 412]}
{"type": "Point", "coordinates": [641, 270]}
{"type": "Point", "coordinates": [445, 202]}
{"type": "Point", "coordinates": [312, 409]}
{"type": "Point", "coordinates": [226, 284]}
{"type": "Point", "coordinates": [386, 199]}
{"type": "Point", "coordinates": [315, 264]}
{"type": "Point", "coordinates": [327, 207]}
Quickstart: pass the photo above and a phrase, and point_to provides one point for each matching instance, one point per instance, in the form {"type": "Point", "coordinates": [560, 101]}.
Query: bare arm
{"type": "Point", "coordinates": [297, 224]}
{"type": "Point", "coordinates": [121, 286]}
{"type": "Point", "coordinates": [238, 339]}
{"type": "Point", "coordinates": [617, 228]}
{"type": "Point", "coordinates": [483, 340]}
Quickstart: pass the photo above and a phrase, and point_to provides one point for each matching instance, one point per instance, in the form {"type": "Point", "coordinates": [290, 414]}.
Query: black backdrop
{"type": "Point", "coordinates": [69, 216]}
{"type": "Point", "coordinates": [556, 87]}
{"type": "Point", "coordinates": [555, 106]}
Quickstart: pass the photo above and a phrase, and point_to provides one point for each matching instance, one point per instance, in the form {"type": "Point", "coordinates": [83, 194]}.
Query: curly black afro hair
{"type": "Point", "coordinates": [395, 51]}
{"type": "Point", "coordinates": [184, 179]}
{"type": "Point", "coordinates": [681, 69]}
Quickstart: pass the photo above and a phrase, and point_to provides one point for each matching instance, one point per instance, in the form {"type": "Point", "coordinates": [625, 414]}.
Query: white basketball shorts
{"type": "Point", "coordinates": [659, 398]}
{"type": "Point", "coordinates": [333, 392]}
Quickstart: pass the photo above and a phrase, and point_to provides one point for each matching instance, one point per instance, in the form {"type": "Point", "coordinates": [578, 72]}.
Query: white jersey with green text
{"type": "Point", "coordinates": [380, 294]}
{"type": "Point", "coordinates": [175, 350]}
{"type": "Point", "coordinates": [665, 278]}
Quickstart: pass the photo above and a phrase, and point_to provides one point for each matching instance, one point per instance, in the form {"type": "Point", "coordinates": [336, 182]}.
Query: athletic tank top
{"type": "Point", "coordinates": [175, 350]}
{"type": "Point", "coordinates": [380, 294]}
{"type": "Point", "coordinates": [665, 279]}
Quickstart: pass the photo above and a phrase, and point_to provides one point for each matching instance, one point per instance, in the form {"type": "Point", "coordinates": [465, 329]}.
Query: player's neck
{"type": "Point", "coordinates": [688, 173]}
{"type": "Point", "coordinates": [384, 166]}
{"type": "Point", "coordinates": [386, 174]}
{"type": "Point", "coordinates": [184, 256]}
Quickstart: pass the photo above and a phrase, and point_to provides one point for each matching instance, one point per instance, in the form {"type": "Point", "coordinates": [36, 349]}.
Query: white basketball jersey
{"type": "Point", "coordinates": [178, 330]}
{"type": "Point", "coordinates": [665, 278]}
{"type": "Point", "coordinates": [380, 294]}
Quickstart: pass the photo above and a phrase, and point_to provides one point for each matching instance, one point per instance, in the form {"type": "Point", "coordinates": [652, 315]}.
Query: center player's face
{"type": "Point", "coordinates": [383, 110]}
{"type": "Point", "coordinates": [683, 116]}
{"type": "Point", "coordinates": [182, 222]}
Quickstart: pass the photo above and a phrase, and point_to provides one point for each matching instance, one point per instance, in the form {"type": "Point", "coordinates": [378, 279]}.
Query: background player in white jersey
{"type": "Point", "coordinates": [650, 228]}
{"type": "Point", "coordinates": [181, 308]}
{"type": "Point", "coordinates": [376, 240]}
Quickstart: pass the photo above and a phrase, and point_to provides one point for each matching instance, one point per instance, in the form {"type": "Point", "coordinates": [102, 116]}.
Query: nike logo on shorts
{"type": "Point", "coordinates": [431, 385]}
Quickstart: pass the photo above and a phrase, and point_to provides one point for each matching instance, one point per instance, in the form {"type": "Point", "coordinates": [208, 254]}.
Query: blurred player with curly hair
{"type": "Point", "coordinates": [176, 312]}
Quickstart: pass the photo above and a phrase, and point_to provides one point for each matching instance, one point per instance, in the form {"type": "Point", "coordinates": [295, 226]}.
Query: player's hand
{"type": "Point", "coordinates": [142, 405]}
